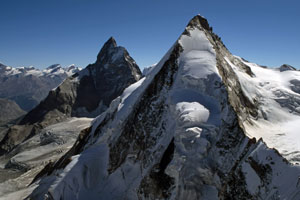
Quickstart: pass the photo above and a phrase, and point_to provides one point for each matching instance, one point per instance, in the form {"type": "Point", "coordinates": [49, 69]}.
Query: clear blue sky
{"type": "Point", "coordinates": [44, 32]}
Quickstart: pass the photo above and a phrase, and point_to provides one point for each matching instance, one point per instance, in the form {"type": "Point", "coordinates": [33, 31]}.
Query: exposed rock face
{"type": "Point", "coordinates": [178, 133]}
{"type": "Point", "coordinates": [10, 112]}
{"type": "Point", "coordinates": [85, 94]}
{"type": "Point", "coordinates": [27, 86]}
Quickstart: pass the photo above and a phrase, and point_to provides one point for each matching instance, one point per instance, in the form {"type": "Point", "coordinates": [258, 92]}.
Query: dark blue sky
{"type": "Point", "coordinates": [43, 32]}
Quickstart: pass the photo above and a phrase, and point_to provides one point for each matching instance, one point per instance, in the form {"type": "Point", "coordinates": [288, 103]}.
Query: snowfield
{"type": "Point", "coordinates": [279, 120]}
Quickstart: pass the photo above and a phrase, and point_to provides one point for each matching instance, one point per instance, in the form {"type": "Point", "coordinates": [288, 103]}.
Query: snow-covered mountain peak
{"type": "Point", "coordinates": [180, 133]}
{"type": "Point", "coordinates": [4, 68]}
{"type": "Point", "coordinates": [70, 67]}
{"type": "Point", "coordinates": [54, 66]}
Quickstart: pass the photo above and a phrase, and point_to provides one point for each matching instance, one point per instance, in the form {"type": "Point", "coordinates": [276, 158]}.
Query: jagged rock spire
{"type": "Point", "coordinates": [199, 20]}
{"type": "Point", "coordinates": [109, 44]}
{"type": "Point", "coordinates": [86, 94]}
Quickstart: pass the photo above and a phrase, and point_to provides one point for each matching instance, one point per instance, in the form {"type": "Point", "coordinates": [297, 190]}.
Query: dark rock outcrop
{"type": "Point", "coordinates": [286, 67]}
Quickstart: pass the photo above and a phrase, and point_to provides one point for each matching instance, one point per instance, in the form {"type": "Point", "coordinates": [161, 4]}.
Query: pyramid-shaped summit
{"type": "Point", "coordinates": [108, 45]}
{"type": "Point", "coordinates": [91, 90]}
{"type": "Point", "coordinates": [85, 94]}
{"type": "Point", "coordinates": [178, 133]}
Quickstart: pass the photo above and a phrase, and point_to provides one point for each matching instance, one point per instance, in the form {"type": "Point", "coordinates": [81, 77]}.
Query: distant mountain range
{"type": "Point", "coordinates": [27, 86]}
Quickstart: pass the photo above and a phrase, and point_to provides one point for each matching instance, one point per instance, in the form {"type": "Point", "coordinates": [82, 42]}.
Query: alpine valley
{"type": "Point", "coordinates": [200, 124]}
